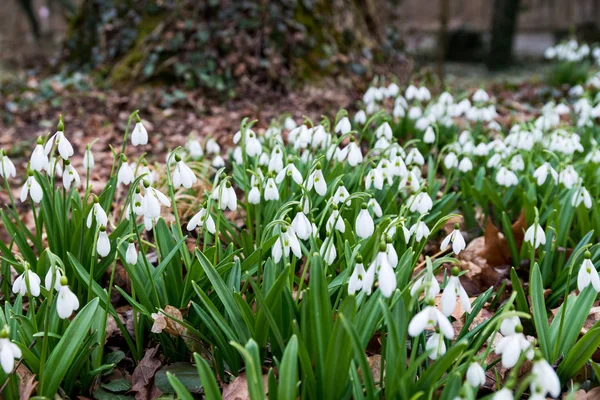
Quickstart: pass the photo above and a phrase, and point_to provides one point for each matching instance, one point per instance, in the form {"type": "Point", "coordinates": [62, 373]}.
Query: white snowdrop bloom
{"type": "Point", "coordinates": [27, 283]}
{"type": "Point", "coordinates": [424, 94]}
{"type": "Point", "coordinates": [137, 203]}
{"type": "Point", "coordinates": [340, 154]}
{"type": "Point", "coordinates": [254, 195]}
{"type": "Point", "coordinates": [588, 274]}
{"type": "Point", "coordinates": [545, 380]}
{"type": "Point", "coordinates": [511, 347]}
{"type": "Point", "coordinates": [393, 90]}
{"type": "Point", "coordinates": [65, 149]}
{"type": "Point", "coordinates": [343, 126]}
{"type": "Point", "coordinates": [103, 244]}
{"type": "Point", "coordinates": [399, 111]}
{"type": "Point", "coordinates": [374, 178]}
{"type": "Point", "coordinates": [139, 135]}
{"type": "Point", "coordinates": [97, 213]}
{"type": "Point", "coordinates": [264, 159]}
{"type": "Point", "coordinates": [276, 160]}
{"type": "Point", "coordinates": [289, 124]}
{"type": "Point", "coordinates": [200, 218]}
{"type": "Point", "coordinates": [435, 345]}
{"type": "Point", "coordinates": [287, 241]}
{"type": "Point", "coordinates": [424, 122]}
{"type": "Point", "coordinates": [457, 240]}
{"type": "Point", "coordinates": [253, 146]}
{"type": "Point", "coordinates": [289, 170]}
{"type": "Point", "coordinates": [454, 288]}
{"type": "Point", "coordinates": [465, 165]}
{"type": "Point", "coordinates": [88, 159]}
{"type": "Point", "coordinates": [503, 394]}
{"type": "Point", "coordinates": [212, 147]}
{"type": "Point", "coordinates": [301, 225]}
{"type": "Point", "coordinates": [7, 168]}
{"type": "Point", "coordinates": [151, 202]}
{"type": "Point", "coordinates": [385, 272]}
{"type": "Point", "coordinates": [225, 194]}
{"type": "Point", "coordinates": [517, 163]}
{"type": "Point", "coordinates": [576, 91]}
{"type": "Point", "coordinates": [39, 158]}
{"type": "Point", "coordinates": [494, 126]}
{"type": "Point", "coordinates": [414, 113]}
{"type": "Point", "coordinates": [428, 318]}
{"type": "Point", "coordinates": [391, 253]}
{"type": "Point", "coordinates": [70, 176]}
{"type": "Point", "coordinates": [429, 136]}
{"type": "Point", "coordinates": [149, 222]}
{"type": "Point", "coordinates": [317, 180]}
{"type": "Point", "coordinates": [428, 284]}
{"type": "Point", "coordinates": [450, 161]}
{"type": "Point", "coordinates": [125, 175]}
{"type": "Point", "coordinates": [581, 196]}
{"type": "Point", "coordinates": [364, 223]}
{"type": "Point", "coordinates": [421, 203]}
{"type": "Point", "coordinates": [183, 175]}
{"type": "Point", "coordinates": [381, 144]}
{"type": "Point", "coordinates": [494, 160]}
{"type": "Point", "coordinates": [146, 172]}
{"type": "Point", "coordinates": [32, 188]}
{"type": "Point", "coordinates": [593, 156]}
{"type": "Point", "coordinates": [194, 148]}
{"type": "Point", "coordinates": [384, 130]}
{"type": "Point", "coordinates": [377, 211]}
{"type": "Point", "coordinates": [550, 53]}
{"type": "Point", "coordinates": [131, 253]}
{"type": "Point", "coordinates": [67, 301]}
{"type": "Point", "coordinates": [415, 157]}
{"type": "Point", "coordinates": [52, 271]}
{"type": "Point", "coordinates": [328, 250]}
{"type": "Point", "coordinates": [420, 230]}
{"type": "Point", "coordinates": [509, 325]}
{"type": "Point", "coordinates": [568, 176]}
{"type": "Point", "coordinates": [271, 191]}
{"type": "Point", "coordinates": [476, 375]}
{"type": "Point", "coordinates": [340, 195]}
{"type": "Point", "coordinates": [335, 221]}
{"type": "Point", "coordinates": [8, 351]}
{"type": "Point", "coordinates": [481, 150]}
{"type": "Point", "coordinates": [542, 172]}
{"type": "Point", "coordinates": [535, 235]}
{"type": "Point", "coordinates": [412, 93]}
{"type": "Point", "coordinates": [355, 156]}
{"type": "Point", "coordinates": [360, 117]}
{"type": "Point", "coordinates": [361, 279]}
{"type": "Point", "coordinates": [218, 162]}
{"type": "Point", "coordinates": [481, 96]}
{"type": "Point", "coordinates": [506, 177]}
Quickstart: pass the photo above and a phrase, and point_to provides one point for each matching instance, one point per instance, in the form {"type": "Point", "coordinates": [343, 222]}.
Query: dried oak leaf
{"type": "Point", "coordinates": [144, 374]}
{"type": "Point", "coordinates": [238, 388]}
{"type": "Point", "coordinates": [27, 382]}
{"type": "Point", "coordinates": [163, 322]}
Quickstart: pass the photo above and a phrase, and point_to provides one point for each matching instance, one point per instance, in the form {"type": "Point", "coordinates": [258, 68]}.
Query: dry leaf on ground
{"type": "Point", "coordinates": [144, 374]}
{"type": "Point", "coordinates": [238, 388]}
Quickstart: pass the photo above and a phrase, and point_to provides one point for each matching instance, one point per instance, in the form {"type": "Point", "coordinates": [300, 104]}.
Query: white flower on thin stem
{"type": "Point", "coordinates": [131, 253]}
{"type": "Point", "coordinates": [545, 380]}
{"type": "Point", "coordinates": [343, 126]}
{"type": "Point", "coordinates": [503, 394]}
{"type": "Point", "coordinates": [428, 284]}
{"type": "Point", "coordinates": [70, 176]}
{"type": "Point", "coordinates": [289, 170]}
{"type": "Point", "coordinates": [588, 274]}
{"type": "Point", "coordinates": [52, 271]}
{"type": "Point", "coordinates": [183, 175]}
{"type": "Point", "coordinates": [476, 375]}
{"type": "Point", "coordinates": [429, 136]}
{"type": "Point", "coordinates": [355, 155]}
{"type": "Point", "coordinates": [254, 195]}
{"type": "Point", "coordinates": [581, 196]}
{"type": "Point", "coordinates": [414, 156]}
{"type": "Point", "coordinates": [420, 230]}
{"type": "Point", "coordinates": [125, 175]}
{"type": "Point", "coordinates": [39, 158]}
{"type": "Point", "coordinates": [152, 200]}
{"type": "Point", "coordinates": [391, 253]}
{"type": "Point", "coordinates": [33, 188]}
{"type": "Point", "coordinates": [317, 180]}
{"type": "Point", "coordinates": [276, 160]}
{"type": "Point", "coordinates": [436, 346]}
{"type": "Point", "coordinates": [340, 195]}
{"type": "Point", "coordinates": [336, 221]}
{"type": "Point", "coordinates": [568, 176]}
{"type": "Point", "coordinates": [364, 223]}
{"type": "Point", "coordinates": [375, 207]}
{"type": "Point", "coordinates": [535, 235]}
{"type": "Point", "coordinates": [139, 135]}
{"type": "Point", "coordinates": [103, 244]}
{"type": "Point", "coordinates": [421, 203]}
{"type": "Point", "coordinates": [200, 218]}
{"type": "Point", "coordinates": [428, 318]}
{"type": "Point", "coordinates": [465, 165]}
{"type": "Point", "coordinates": [374, 178]}
{"type": "Point", "coordinates": [384, 130]}
{"type": "Point", "coordinates": [88, 158]}
{"type": "Point", "coordinates": [328, 251]}
{"type": "Point", "coordinates": [194, 148]}
{"type": "Point", "coordinates": [65, 150]}
{"type": "Point", "coordinates": [361, 279]}
{"type": "Point", "coordinates": [7, 168]}
{"type": "Point", "coordinates": [225, 194]}
{"type": "Point", "coordinates": [67, 301]}
{"type": "Point", "coordinates": [271, 191]}
{"type": "Point", "coordinates": [506, 177]}
{"type": "Point", "coordinates": [218, 162]}
{"type": "Point", "coordinates": [457, 240]}
{"type": "Point", "coordinates": [8, 351]}
{"type": "Point", "coordinates": [27, 283]}
{"type": "Point", "coordinates": [98, 213]}
{"type": "Point", "coordinates": [450, 161]}
{"type": "Point", "coordinates": [287, 241]}
{"type": "Point", "coordinates": [360, 117]}
{"type": "Point", "coordinates": [253, 146]}
{"type": "Point", "coordinates": [454, 288]}
{"type": "Point", "coordinates": [542, 172]}
{"type": "Point", "coordinates": [301, 225]}
{"type": "Point", "coordinates": [386, 277]}
{"type": "Point", "coordinates": [511, 347]}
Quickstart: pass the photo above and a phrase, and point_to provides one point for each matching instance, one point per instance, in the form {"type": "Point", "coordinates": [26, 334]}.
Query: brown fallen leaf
{"type": "Point", "coordinates": [593, 394]}
{"type": "Point", "coordinates": [163, 322]}
{"type": "Point", "coordinates": [143, 374]}
{"type": "Point", "coordinates": [27, 382]}
{"type": "Point", "coordinates": [238, 388]}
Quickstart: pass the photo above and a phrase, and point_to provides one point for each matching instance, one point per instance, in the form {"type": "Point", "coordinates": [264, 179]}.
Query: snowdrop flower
{"type": "Point", "coordinates": [435, 345]}
{"type": "Point", "coordinates": [183, 175]}
{"type": "Point", "coordinates": [391, 253]}
{"type": "Point", "coordinates": [545, 380]}
{"type": "Point", "coordinates": [335, 221]}
{"type": "Point", "coordinates": [301, 225]}
{"type": "Point", "coordinates": [56, 272]}
{"type": "Point", "coordinates": [374, 178]}
{"type": "Point", "coordinates": [428, 318]}
{"type": "Point", "coordinates": [194, 148]}
{"type": "Point", "coordinates": [287, 241]}
{"type": "Point", "coordinates": [503, 394]}
{"type": "Point", "coordinates": [289, 170]}
{"type": "Point", "coordinates": [8, 351]}
{"type": "Point", "coordinates": [39, 159]}
{"type": "Point", "coordinates": [476, 375]}
{"type": "Point", "coordinates": [375, 207]}
{"type": "Point", "coordinates": [225, 194]}
{"type": "Point", "coordinates": [454, 288]}
{"type": "Point", "coordinates": [385, 272]}
{"type": "Point", "coordinates": [535, 235]}
{"type": "Point", "coordinates": [340, 195]}
{"type": "Point", "coordinates": [588, 274]}
{"type": "Point", "coordinates": [429, 136]}
{"type": "Point", "coordinates": [506, 177]}
{"type": "Point", "coordinates": [70, 176]}
{"type": "Point", "coordinates": [393, 90]}
{"type": "Point", "coordinates": [218, 162]}
{"type": "Point", "coordinates": [276, 160]}
{"type": "Point", "coordinates": [364, 223]}
{"type": "Point", "coordinates": [200, 218]}
{"type": "Point", "coordinates": [125, 175]}
{"type": "Point", "coordinates": [384, 130]}
{"type": "Point", "coordinates": [568, 176]}
{"type": "Point", "coordinates": [355, 156]}
{"type": "Point", "coordinates": [27, 283]}
{"type": "Point", "coordinates": [131, 253]}
{"type": "Point", "coordinates": [212, 147]}
{"type": "Point", "coordinates": [465, 165]}
{"type": "Point", "coordinates": [428, 284]}
{"type": "Point", "coordinates": [542, 172]}
{"type": "Point", "coordinates": [317, 180]}
{"type": "Point", "coordinates": [64, 146]}
{"type": "Point", "coordinates": [361, 279]}
{"type": "Point", "coordinates": [88, 158]}
{"type": "Point", "coordinates": [420, 230]}
{"type": "Point", "coordinates": [457, 240]}
{"type": "Point", "coordinates": [421, 203]}
{"type": "Point", "coordinates": [450, 161]}
{"type": "Point", "coordinates": [424, 94]}
{"type": "Point", "coordinates": [415, 157]}
{"type": "Point", "coordinates": [67, 301]}
{"type": "Point", "coordinates": [7, 168]}
{"type": "Point", "coordinates": [33, 188]}
{"type": "Point", "coordinates": [511, 347]}
{"type": "Point", "coordinates": [103, 245]}
{"type": "Point", "coordinates": [289, 124]}
{"type": "Point", "coordinates": [151, 202]}
{"type": "Point", "coordinates": [139, 135]}
{"type": "Point", "coordinates": [343, 126]}
{"type": "Point", "coordinates": [271, 191]}
{"type": "Point", "coordinates": [480, 96]}
{"type": "Point", "coordinates": [360, 117]}
{"type": "Point", "coordinates": [411, 93]}
{"type": "Point", "coordinates": [581, 196]}
{"type": "Point", "coordinates": [98, 213]}
{"type": "Point", "coordinates": [253, 146]}
{"type": "Point", "coordinates": [254, 195]}
{"type": "Point", "coordinates": [328, 250]}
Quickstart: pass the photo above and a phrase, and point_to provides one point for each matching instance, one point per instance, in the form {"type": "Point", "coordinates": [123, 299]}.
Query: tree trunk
{"type": "Point", "coordinates": [504, 23]}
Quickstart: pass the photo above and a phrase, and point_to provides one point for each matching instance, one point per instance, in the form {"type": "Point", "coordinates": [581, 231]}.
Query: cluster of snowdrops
{"type": "Point", "coordinates": [310, 239]}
